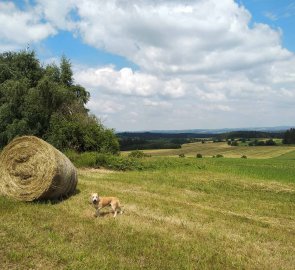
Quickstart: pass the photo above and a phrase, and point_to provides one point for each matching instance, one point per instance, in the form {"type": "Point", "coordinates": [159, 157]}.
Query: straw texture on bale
{"type": "Point", "coordinates": [32, 169]}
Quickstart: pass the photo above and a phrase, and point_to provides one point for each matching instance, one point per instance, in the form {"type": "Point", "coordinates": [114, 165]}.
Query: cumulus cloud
{"type": "Point", "coordinates": [128, 82]}
{"type": "Point", "coordinates": [104, 106]}
{"type": "Point", "coordinates": [170, 37]}
{"type": "Point", "coordinates": [21, 27]}
{"type": "Point", "coordinates": [198, 60]}
{"type": "Point", "coordinates": [157, 104]}
{"type": "Point", "coordinates": [180, 37]}
{"type": "Point", "coordinates": [210, 51]}
{"type": "Point", "coordinates": [60, 14]}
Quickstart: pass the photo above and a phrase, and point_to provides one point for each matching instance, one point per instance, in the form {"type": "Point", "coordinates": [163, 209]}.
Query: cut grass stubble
{"type": "Point", "coordinates": [180, 214]}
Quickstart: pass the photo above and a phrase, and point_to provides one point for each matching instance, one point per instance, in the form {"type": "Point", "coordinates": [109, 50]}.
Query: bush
{"type": "Point", "coordinates": [219, 156]}
{"type": "Point", "coordinates": [270, 142]}
{"type": "Point", "coordinates": [87, 159]}
{"type": "Point", "coordinates": [181, 155]}
{"type": "Point", "coordinates": [243, 156]}
{"type": "Point", "coordinates": [260, 143]}
{"type": "Point", "coordinates": [199, 155]}
{"type": "Point", "coordinates": [108, 161]}
{"type": "Point", "coordinates": [118, 163]}
{"type": "Point", "coordinates": [234, 143]}
{"type": "Point", "coordinates": [138, 154]}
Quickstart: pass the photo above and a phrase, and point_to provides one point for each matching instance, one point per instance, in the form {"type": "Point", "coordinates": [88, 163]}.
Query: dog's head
{"type": "Point", "coordinates": [94, 198]}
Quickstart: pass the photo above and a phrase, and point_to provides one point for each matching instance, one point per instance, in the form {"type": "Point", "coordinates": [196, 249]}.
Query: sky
{"type": "Point", "coordinates": [167, 64]}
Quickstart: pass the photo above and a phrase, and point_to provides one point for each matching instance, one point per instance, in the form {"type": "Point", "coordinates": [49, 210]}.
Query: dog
{"type": "Point", "coordinates": [101, 202]}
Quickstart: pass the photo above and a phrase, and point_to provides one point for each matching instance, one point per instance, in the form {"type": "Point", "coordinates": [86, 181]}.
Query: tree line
{"type": "Point", "coordinates": [44, 101]}
{"type": "Point", "coordinates": [156, 140]}
{"type": "Point", "coordinates": [289, 136]}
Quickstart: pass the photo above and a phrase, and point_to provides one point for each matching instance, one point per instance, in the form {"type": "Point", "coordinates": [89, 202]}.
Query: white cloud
{"type": "Point", "coordinates": [174, 37]}
{"type": "Point", "coordinates": [270, 15]}
{"type": "Point", "coordinates": [157, 104]}
{"type": "Point", "coordinates": [21, 27]}
{"type": "Point", "coordinates": [208, 53]}
{"type": "Point", "coordinates": [128, 82]}
{"type": "Point", "coordinates": [58, 13]}
{"type": "Point", "coordinates": [103, 106]}
{"type": "Point", "coordinates": [198, 60]}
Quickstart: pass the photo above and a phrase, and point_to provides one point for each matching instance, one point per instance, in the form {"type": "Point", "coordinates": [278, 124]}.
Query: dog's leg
{"type": "Point", "coordinates": [120, 211]}
{"type": "Point", "coordinates": [97, 212]}
{"type": "Point", "coordinates": [115, 209]}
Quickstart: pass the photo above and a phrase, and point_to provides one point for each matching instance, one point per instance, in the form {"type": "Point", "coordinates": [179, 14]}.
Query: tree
{"type": "Point", "coordinates": [52, 71]}
{"type": "Point", "coordinates": [66, 74]}
{"type": "Point", "coordinates": [289, 136]}
{"type": "Point", "coordinates": [45, 102]}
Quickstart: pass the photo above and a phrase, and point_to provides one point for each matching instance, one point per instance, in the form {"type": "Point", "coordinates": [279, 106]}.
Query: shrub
{"type": "Point", "coordinates": [118, 163]}
{"type": "Point", "coordinates": [270, 142]}
{"type": "Point", "coordinates": [108, 161]}
{"type": "Point", "coordinates": [243, 156]}
{"type": "Point", "coordinates": [199, 155]}
{"type": "Point", "coordinates": [181, 155]}
{"type": "Point", "coordinates": [234, 143]}
{"type": "Point", "coordinates": [219, 156]}
{"type": "Point", "coordinates": [260, 143]}
{"type": "Point", "coordinates": [86, 159]}
{"type": "Point", "coordinates": [137, 154]}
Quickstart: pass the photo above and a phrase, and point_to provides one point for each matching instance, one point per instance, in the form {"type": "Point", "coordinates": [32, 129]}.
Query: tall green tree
{"type": "Point", "coordinates": [66, 74]}
{"type": "Point", "coordinates": [45, 102]}
{"type": "Point", "coordinates": [289, 136]}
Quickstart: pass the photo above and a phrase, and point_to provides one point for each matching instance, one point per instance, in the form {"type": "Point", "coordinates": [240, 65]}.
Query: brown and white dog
{"type": "Point", "coordinates": [101, 202]}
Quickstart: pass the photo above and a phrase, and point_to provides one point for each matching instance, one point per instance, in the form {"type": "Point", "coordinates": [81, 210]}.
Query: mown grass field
{"type": "Point", "coordinates": [180, 213]}
{"type": "Point", "coordinates": [210, 149]}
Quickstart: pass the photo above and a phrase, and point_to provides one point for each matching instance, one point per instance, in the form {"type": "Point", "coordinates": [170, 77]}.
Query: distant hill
{"type": "Point", "coordinates": [222, 130]}
{"type": "Point", "coordinates": [173, 139]}
{"type": "Point", "coordinates": [209, 131]}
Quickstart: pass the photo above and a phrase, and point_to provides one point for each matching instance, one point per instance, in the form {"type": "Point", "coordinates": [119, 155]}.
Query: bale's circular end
{"type": "Point", "coordinates": [33, 169]}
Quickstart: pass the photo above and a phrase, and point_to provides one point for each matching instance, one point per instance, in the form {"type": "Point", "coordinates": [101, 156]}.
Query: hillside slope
{"type": "Point", "coordinates": [210, 149]}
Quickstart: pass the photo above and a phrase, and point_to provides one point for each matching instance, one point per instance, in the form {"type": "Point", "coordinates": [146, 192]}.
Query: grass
{"type": "Point", "coordinates": [179, 214]}
{"type": "Point", "coordinates": [210, 149]}
{"type": "Point", "coordinates": [287, 156]}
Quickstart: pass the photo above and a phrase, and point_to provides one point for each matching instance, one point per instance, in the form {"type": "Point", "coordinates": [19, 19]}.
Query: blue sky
{"type": "Point", "coordinates": [168, 64]}
{"type": "Point", "coordinates": [277, 14]}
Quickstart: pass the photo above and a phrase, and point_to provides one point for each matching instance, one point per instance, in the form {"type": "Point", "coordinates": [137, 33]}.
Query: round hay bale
{"type": "Point", "coordinates": [32, 169]}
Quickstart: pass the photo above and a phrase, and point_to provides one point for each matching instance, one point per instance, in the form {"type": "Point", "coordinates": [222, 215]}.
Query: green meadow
{"type": "Point", "coordinates": [179, 213]}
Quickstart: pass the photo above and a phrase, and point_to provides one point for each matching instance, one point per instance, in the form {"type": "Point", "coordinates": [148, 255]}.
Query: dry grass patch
{"type": "Point", "coordinates": [210, 149]}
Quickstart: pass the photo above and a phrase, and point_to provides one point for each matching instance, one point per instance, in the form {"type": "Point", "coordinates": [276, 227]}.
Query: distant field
{"type": "Point", "coordinates": [180, 213]}
{"type": "Point", "coordinates": [210, 149]}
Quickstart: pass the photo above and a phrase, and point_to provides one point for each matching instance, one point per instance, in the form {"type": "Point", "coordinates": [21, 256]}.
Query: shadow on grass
{"type": "Point", "coordinates": [105, 214]}
{"type": "Point", "coordinates": [57, 200]}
